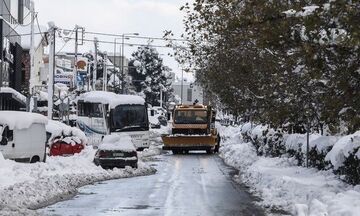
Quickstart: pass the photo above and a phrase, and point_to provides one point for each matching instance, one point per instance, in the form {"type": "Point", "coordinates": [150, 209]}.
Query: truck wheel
{"type": "Point", "coordinates": [217, 147]}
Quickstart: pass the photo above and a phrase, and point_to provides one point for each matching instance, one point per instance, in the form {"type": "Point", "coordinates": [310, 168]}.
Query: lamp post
{"type": "Point", "coordinates": [122, 57]}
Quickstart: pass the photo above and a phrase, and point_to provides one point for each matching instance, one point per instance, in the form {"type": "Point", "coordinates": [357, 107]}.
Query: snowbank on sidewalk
{"type": "Point", "coordinates": [30, 186]}
{"type": "Point", "coordinates": [283, 185]}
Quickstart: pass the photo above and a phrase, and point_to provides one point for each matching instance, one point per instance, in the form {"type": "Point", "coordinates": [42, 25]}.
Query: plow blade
{"type": "Point", "coordinates": [189, 142]}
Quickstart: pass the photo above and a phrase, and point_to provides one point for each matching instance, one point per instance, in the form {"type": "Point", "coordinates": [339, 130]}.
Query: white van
{"type": "Point", "coordinates": [23, 136]}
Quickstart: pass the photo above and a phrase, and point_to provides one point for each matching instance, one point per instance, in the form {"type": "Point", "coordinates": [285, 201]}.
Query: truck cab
{"type": "Point", "coordinates": [193, 128]}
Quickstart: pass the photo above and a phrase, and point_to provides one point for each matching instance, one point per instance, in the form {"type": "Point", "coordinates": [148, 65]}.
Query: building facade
{"type": "Point", "coordinates": [190, 92]}
{"type": "Point", "coordinates": [12, 15]}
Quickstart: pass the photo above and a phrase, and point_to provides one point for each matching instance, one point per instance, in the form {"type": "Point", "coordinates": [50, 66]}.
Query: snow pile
{"type": "Point", "coordinates": [111, 98]}
{"type": "Point", "coordinates": [31, 186]}
{"type": "Point", "coordinates": [117, 142]}
{"type": "Point", "coordinates": [21, 120]}
{"type": "Point", "coordinates": [65, 133]}
{"type": "Point", "coordinates": [283, 185]}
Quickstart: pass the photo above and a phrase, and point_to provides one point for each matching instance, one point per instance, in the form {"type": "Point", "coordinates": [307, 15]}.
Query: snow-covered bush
{"type": "Point", "coordinates": [274, 143]}
{"type": "Point", "coordinates": [345, 157]}
{"type": "Point", "coordinates": [258, 137]}
{"type": "Point", "coordinates": [318, 149]}
{"type": "Point", "coordinates": [325, 152]}
{"type": "Point", "coordinates": [293, 146]}
{"type": "Point", "coordinates": [246, 131]}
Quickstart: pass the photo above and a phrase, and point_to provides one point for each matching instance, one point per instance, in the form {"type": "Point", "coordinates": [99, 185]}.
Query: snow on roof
{"type": "Point", "coordinates": [21, 120]}
{"type": "Point", "coordinates": [14, 92]}
{"type": "Point", "coordinates": [25, 31]}
{"type": "Point", "coordinates": [111, 98]}
{"type": "Point", "coordinates": [71, 135]}
{"type": "Point", "coordinates": [116, 142]}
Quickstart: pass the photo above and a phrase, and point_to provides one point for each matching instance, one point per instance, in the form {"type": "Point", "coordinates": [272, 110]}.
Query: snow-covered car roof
{"type": "Point", "coordinates": [116, 142]}
{"type": "Point", "coordinates": [21, 120]}
{"type": "Point", "coordinates": [111, 98]}
{"type": "Point", "coordinates": [70, 135]}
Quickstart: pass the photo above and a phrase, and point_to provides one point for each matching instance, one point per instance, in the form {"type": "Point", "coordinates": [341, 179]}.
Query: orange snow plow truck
{"type": "Point", "coordinates": [193, 128]}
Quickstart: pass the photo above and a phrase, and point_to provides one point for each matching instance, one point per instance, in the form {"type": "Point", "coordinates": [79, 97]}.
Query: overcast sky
{"type": "Point", "coordinates": [146, 17]}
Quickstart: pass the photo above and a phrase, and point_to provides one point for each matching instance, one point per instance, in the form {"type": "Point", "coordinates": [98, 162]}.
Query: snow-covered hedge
{"type": "Point", "coordinates": [342, 154]}
{"type": "Point", "coordinates": [345, 157]}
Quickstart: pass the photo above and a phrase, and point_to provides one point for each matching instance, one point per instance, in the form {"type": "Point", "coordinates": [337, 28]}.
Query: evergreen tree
{"type": "Point", "coordinates": [150, 75]}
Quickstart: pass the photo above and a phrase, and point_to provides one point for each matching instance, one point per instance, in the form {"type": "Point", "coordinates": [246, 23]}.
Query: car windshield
{"type": "Point", "coordinates": [190, 117]}
{"type": "Point", "coordinates": [129, 117]}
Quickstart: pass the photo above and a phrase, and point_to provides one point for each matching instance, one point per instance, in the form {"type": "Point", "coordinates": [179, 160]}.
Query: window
{"type": "Point", "coordinates": [191, 117]}
{"type": "Point", "coordinates": [129, 116]}
{"type": "Point", "coordinates": [189, 94]}
{"type": "Point", "coordinates": [90, 109]}
{"type": "Point", "coordinates": [8, 134]}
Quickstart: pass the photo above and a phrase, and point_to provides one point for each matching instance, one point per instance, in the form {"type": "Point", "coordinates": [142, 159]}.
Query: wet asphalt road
{"type": "Point", "coordinates": [194, 184]}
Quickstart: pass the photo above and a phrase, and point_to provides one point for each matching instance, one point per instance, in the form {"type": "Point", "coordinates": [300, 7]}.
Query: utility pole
{"type": "Point", "coordinates": [105, 72]}
{"type": "Point", "coordinates": [114, 60]}
{"type": "Point", "coordinates": [51, 70]}
{"type": "Point", "coordinates": [75, 58]}
{"type": "Point", "coordinates": [182, 84]}
{"type": "Point", "coordinates": [95, 62]}
{"type": "Point", "coordinates": [32, 49]}
{"type": "Point", "coordinates": [122, 65]}
{"type": "Point", "coordinates": [161, 98]}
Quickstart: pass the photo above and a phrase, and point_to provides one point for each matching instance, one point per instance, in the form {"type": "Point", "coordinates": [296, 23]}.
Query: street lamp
{"type": "Point", "coordinates": [122, 57]}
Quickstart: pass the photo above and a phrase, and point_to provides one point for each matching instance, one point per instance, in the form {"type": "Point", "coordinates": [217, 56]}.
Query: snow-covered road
{"type": "Point", "coordinates": [194, 184]}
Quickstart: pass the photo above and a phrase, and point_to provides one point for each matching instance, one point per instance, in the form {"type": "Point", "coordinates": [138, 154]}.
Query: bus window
{"type": "Point", "coordinates": [90, 109]}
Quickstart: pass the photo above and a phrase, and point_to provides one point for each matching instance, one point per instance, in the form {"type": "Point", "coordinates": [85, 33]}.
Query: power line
{"type": "Point", "coordinates": [132, 36]}
{"type": "Point", "coordinates": [65, 42]}
{"type": "Point", "coordinates": [37, 23]}
{"type": "Point", "coordinates": [128, 44]}
{"type": "Point", "coordinates": [13, 29]}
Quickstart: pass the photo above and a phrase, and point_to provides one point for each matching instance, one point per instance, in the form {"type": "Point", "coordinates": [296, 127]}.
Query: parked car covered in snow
{"type": "Point", "coordinates": [116, 151]}
{"type": "Point", "coordinates": [64, 140]}
{"type": "Point", "coordinates": [23, 136]}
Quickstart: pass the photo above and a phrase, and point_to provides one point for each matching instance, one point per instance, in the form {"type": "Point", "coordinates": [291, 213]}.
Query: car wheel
{"type": "Point", "coordinates": [35, 159]}
{"type": "Point", "coordinates": [175, 152]}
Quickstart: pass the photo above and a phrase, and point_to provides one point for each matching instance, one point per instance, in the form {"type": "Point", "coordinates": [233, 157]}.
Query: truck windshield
{"type": "Point", "coordinates": [191, 117]}
{"type": "Point", "coordinates": [129, 118]}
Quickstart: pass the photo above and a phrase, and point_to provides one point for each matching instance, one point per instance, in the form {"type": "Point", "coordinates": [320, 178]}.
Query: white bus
{"type": "Point", "coordinates": [101, 113]}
